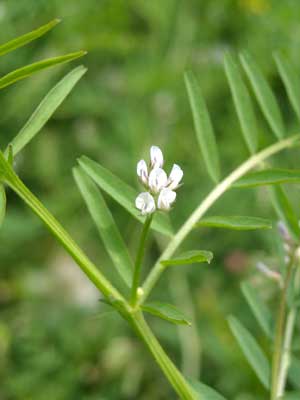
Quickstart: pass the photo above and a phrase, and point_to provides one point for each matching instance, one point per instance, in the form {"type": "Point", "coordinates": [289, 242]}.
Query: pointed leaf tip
{"type": "Point", "coordinates": [167, 312]}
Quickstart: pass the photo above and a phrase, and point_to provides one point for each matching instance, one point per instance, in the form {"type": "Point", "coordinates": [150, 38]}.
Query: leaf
{"type": "Point", "coordinates": [166, 311]}
{"type": "Point", "coordinates": [205, 392]}
{"type": "Point", "coordinates": [251, 350]}
{"type": "Point", "coordinates": [2, 203]}
{"type": "Point", "coordinates": [268, 177]}
{"type": "Point", "coordinates": [242, 102]}
{"type": "Point", "coordinates": [27, 38]}
{"type": "Point", "coordinates": [46, 108]}
{"type": "Point", "coordinates": [30, 69]}
{"type": "Point", "coordinates": [284, 210]}
{"type": "Point", "coordinates": [291, 81]}
{"type": "Point", "coordinates": [258, 308]}
{"type": "Point", "coordinates": [240, 223]}
{"type": "Point", "coordinates": [264, 95]}
{"type": "Point", "coordinates": [290, 396]}
{"type": "Point", "coordinates": [105, 223]}
{"type": "Point", "coordinates": [203, 126]}
{"type": "Point", "coordinates": [122, 193]}
{"type": "Point", "coordinates": [190, 257]}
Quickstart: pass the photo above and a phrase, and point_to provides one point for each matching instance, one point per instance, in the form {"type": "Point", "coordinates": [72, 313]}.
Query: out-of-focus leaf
{"type": "Point", "coordinates": [205, 392]}
{"type": "Point", "coordinates": [242, 102]}
{"type": "Point", "coordinates": [236, 222]}
{"type": "Point", "coordinates": [268, 177]}
{"type": "Point", "coordinates": [284, 210]}
{"type": "Point", "coordinates": [291, 82]}
{"type": "Point", "coordinates": [251, 350]}
{"type": "Point", "coordinates": [166, 311]}
{"type": "Point", "coordinates": [30, 69]}
{"type": "Point", "coordinates": [294, 372]}
{"type": "Point", "coordinates": [190, 257]}
{"type": "Point", "coordinates": [2, 203]}
{"type": "Point", "coordinates": [105, 223]}
{"type": "Point", "coordinates": [122, 193]}
{"type": "Point", "coordinates": [264, 95]}
{"type": "Point", "coordinates": [27, 38]}
{"type": "Point", "coordinates": [291, 396]}
{"type": "Point", "coordinates": [258, 308]}
{"type": "Point", "coordinates": [46, 109]}
{"type": "Point", "coordinates": [203, 126]}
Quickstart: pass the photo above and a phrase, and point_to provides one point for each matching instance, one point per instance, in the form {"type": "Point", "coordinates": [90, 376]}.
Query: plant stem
{"type": "Point", "coordinates": [288, 336]}
{"type": "Point", "coordinates": [63, 237]}
{"type": "Point", "coordinates": [174, 376]}
{"type": "Point", "coordinates": [139, 259]}
{"type": "Point", "coordinates": [279, 331]}
{"type": "Point", "coordinates": [204, 206]}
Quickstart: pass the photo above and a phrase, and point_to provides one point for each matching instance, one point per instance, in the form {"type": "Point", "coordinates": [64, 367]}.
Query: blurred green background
{"type": "Point", "coordinates": [56, 340]}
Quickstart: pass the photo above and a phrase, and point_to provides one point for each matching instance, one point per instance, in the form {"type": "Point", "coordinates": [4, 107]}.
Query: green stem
{"type": "Point", "coordinates": [176, 379]}
{"type": "Point", "coordinates": [139, 259]}
{"type": "Point", "coordinates": [288, 337]}
{"type": "Point", "coordinates": [204, 206]}
{"type": "Point", "coordinates": [63, 237]}
{"type": "Point", "coordinates": [279, 331]}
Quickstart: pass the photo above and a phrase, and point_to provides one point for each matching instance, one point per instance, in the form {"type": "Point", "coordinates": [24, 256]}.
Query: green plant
{"type": "Point", "coordinates": [131, 303]}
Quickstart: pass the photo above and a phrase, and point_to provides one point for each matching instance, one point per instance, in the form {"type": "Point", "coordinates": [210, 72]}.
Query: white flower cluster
{"type": "Point", "coordinates": [160, 188]}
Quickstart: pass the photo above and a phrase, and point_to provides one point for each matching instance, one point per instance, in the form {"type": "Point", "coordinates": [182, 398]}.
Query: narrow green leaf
{"type": "Point", "coordinates": [251, 350]}
{"type": "Point", "coordinates": [236, 222]}
{"type": "Point", "coordinates": [242, 102]}
{"type": "Point", "coordinates": [27, 38]}
{"type": "Point", "coordinates": [122, 193]}
{"type": "Point", "coordinates": [205, 392]}
{"type": "Point", "coordinates": [290, 396]}
{"type": "Point", "coordinates": [284, 209]}
{"type": "Point", "coordinates": [166, 311]}
{"type": "Point", "coordinates": [105, 223]}
{"type": "Point", "coordinates": [264, 95]}
{"type": "Point", "coordinates": [268, 177]}
{"type": "Point", "coordinates": [30, 69]}
{"type": "Point", "coordinates": [190, 257]}
{"type": "Point", "coordinates": [203, 127]}
{"type": "Point", "coordinates": [46, 108]}
{"type": "Point", "coordinates": [258, 308]}
{"type": "Point", "coordinates": [2, 203]}
{"type": "Point", "coordinates": [291, 81]}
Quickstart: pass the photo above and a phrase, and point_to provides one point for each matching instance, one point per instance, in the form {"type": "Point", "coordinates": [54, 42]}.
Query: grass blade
{"type": "Point", "coordinates": [258, 308]}
{"type": "Point", "coordinates": [242, 102]}
{"type": "Point", "coordinates": [285, 210]}
{"type": "Point", "coordinates": [2, 204]}
{"type": "Point", "coordinates": [46, 109]}
{"type": "Point", "coordinates": [203, 127]}
{"type": "Point", "coordinates": [30, 69]}
{"type": "Point", "coordinates": [240, 223]}
{"type": "Point", "coordinates": [27, 38]}
{"type": "Point", "coordinates": [251, 350]}
{"type": "Point", "coordinates": [291, 81]}
{"type": "Point", "coordinates": [205, 392]}
{"type": "Point", "coordinates": [122, 193]}
{"type": "Point", "coordinates": [264, 95]}
{"type": "Point", "coordinates": [106, 226]}
{"type": "Point", "coordinates": [268, 177]}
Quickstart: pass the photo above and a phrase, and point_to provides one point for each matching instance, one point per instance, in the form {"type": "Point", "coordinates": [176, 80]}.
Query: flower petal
{"type": "Point", "coordinates": [156, 157]}
{"type": "Point", "coordinates": [165, 199]}
{"type": "Point", "coordinates": [142, 171]}
{"type": "Point", "coordinates": [157, 180]}
{"type": "Point", "coordinates": [175, 177]}
{"type": "Point", "coordinates": [145, 203]}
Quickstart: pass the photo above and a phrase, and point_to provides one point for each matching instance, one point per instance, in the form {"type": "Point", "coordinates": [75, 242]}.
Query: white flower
{"type": "Point", "coordinates": [156, 157]}
{"type": "Point", "coordinates": [157, 180]}
{"type": "Point", "coordinates": [165, 199]}
{"type": "Point", "coordinates": [175, 177]}
{"type": "Point", "coordinates": [142, 172]}
{"type": "Point", "coordinates": [145, 203]}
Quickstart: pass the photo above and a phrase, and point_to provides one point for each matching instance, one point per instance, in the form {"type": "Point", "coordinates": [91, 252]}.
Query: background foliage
{"type": "Point", "coordinates": [56, 339]}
